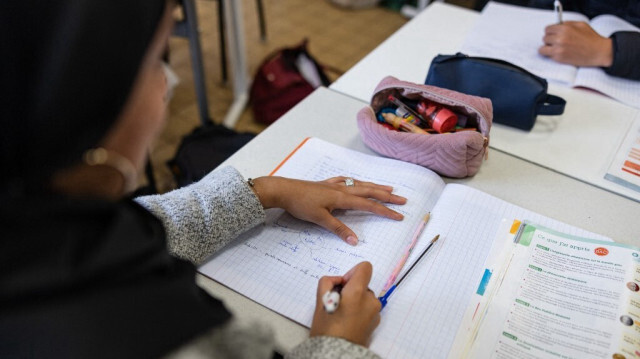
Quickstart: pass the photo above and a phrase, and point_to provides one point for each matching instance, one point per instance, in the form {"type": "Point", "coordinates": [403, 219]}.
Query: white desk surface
{"type": "Point", "coordinates": [331, 116]}
{"type": "Point", "coordinates": [439, 29]}
{"type": "Point", "coordinates": [580, 143]}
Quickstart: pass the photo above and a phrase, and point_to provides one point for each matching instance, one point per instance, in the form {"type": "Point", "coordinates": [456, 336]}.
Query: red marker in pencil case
{"type": "Point", "coordinates": [437, 116]}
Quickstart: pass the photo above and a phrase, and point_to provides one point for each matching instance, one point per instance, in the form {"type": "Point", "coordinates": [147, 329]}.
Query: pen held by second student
{"type": "Point", "coordinates": [557, 8]}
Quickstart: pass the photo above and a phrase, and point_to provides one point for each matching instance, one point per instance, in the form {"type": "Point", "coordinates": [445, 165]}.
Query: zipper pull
{"type": "Point", "coordinates": [486, 148]}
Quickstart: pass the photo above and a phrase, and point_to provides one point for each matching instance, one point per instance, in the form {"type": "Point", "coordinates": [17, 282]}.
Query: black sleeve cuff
{"type": "Point", "coordinates": [626, 55]}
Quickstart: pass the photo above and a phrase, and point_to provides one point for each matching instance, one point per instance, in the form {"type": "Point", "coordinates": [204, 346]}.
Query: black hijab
{"type": "Point", "coordinates": [67, 67]}
{"type": "Point", "coordinates": [80, 278]}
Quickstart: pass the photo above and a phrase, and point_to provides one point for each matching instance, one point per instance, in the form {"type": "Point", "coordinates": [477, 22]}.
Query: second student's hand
{"type": "Point", "coordinates": [576, 43]}
{"type": "Point", "coordinates": [314, 201]}
{"type": "Point", "coordinates": [358, 313]}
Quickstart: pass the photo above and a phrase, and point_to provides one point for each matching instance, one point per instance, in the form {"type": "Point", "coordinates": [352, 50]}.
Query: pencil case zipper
{"type": "Point", "coordinates": [503, 63]}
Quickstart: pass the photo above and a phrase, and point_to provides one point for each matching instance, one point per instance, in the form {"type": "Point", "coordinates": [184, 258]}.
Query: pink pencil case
{"type": "Point", "coordinates": [456, 154]}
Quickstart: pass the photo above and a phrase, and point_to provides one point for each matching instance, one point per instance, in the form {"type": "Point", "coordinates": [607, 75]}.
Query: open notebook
{"type": "Point", "coordinates": [514, 34]}
{"type": "Point", "coordinates": [278, 264]}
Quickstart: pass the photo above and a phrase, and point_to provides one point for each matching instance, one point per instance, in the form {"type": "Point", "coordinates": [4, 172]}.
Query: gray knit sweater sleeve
{"type": "Point", "coordinates": [239, 340]}
{"type": "Point", "coordinates": [330, 347]}
{"type": "Point", "coordinates": [202, 218]}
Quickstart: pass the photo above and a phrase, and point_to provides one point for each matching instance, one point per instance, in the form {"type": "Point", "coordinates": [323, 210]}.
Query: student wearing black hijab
{"type": "Point", "coordinates": [87, 273]}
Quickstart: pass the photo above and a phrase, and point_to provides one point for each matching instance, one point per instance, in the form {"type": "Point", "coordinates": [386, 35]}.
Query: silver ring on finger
{"type": "Point", "coordinates": [349, 182]}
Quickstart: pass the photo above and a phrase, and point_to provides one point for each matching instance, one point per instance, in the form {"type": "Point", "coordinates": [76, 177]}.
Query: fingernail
{"type": "Point", "coordinates": [352, 240]}
{"type": "Point", "coordinates": [399, 216]}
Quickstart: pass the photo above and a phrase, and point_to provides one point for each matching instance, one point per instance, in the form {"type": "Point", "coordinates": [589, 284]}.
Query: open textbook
{"type": "Point", "coordinates": [514, 33]}
{"type": "Point", "coordinates": [547, 294]}
{"type": "Point", "coordinates": [625, 167]}
{"type": "Point", "coordinates": [278, 264]}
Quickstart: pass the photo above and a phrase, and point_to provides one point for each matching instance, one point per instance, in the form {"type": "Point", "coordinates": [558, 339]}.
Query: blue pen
{"type": "Point", "coordinates": [384, 296]}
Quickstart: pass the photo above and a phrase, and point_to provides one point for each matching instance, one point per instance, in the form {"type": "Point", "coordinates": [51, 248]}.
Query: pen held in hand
{"type": "Point", "coordinates": [557, 8]}
{"type": "Point", "coordinates": [384, 297]}
{"type": "Point", "coordinates": [331, 299]}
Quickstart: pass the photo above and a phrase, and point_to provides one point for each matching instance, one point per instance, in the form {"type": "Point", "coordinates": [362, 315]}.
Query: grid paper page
{"type": "Point", "coordinates": [605, 25]}
{"type": "Point", "coordinates": [423, 315]}
{"type": "Point", "coordinates": [623, 90]}
{"type": "Point", "coordinates": [514, 34]}
{"type": "Point", "coordinates": [278, 264]}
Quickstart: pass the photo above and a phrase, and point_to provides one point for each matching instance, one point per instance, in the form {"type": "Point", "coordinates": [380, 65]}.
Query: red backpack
{"type": "Point", "coordinates": [280, 83]}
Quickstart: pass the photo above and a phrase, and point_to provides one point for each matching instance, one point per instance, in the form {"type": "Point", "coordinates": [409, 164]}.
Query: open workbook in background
{"type": "Point", "coordinates": [278, 264]}
{"type": "Point", "coordinates": [514, 34]}
{"type": "Point", "coordinates": [547, 294]}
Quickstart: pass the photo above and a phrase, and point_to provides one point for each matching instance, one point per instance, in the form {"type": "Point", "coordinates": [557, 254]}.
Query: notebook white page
{"type": "Point", "coordinates": [278, 264]}
{"type": "Point", "coordinates": [623, 90]}
{"type": "Point", "coordinates": [514, 34]}
{"type": "Point", "coordinates": [423, 315]}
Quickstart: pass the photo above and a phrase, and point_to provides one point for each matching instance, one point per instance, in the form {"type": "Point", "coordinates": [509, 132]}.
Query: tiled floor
{"type": "Point", "coordinates": [338, 37]}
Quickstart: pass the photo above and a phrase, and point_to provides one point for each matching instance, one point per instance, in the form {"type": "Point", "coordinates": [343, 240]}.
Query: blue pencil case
{"type": "Point", "coordinates": [517, 95]}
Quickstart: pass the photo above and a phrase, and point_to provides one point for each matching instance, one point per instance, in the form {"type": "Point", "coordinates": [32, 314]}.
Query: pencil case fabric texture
{"type": "Point", "coordinates": [517, 95]}
{"type": "Point", "coordinates": [457, 154]}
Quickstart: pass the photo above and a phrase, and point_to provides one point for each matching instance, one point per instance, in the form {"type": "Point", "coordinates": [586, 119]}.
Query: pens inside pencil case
{"type": "Point", "coordinates": [423, 117]}
{"type": "Point", "coordinates": [384, 296]}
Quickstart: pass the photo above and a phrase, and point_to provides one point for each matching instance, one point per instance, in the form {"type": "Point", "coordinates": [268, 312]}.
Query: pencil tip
{"type": "Point", "coordinates": [435, 238]}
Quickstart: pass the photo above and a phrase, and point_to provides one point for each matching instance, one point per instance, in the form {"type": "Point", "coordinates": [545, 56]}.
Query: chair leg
{"type": "Point", "coordinates": [196, 59]}
{"type": "Point", "coordinates": [263, 26]}
{"type": "Point", "coordinates": [223, 41]}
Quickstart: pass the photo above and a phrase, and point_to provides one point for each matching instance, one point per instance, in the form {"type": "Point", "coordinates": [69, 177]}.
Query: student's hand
{"type": "Point", "coordinates": [358, 313]}
{"type": "Point", "coordinates": [314, 201]}
{"type": "Point", "coordinates": [576, 43]}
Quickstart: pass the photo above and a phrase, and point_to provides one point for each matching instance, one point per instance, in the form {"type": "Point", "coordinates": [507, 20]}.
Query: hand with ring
{"type": "Point", "coordinates": [314, 201]}
{"type": "Point", "coordinates": [349, 182]}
